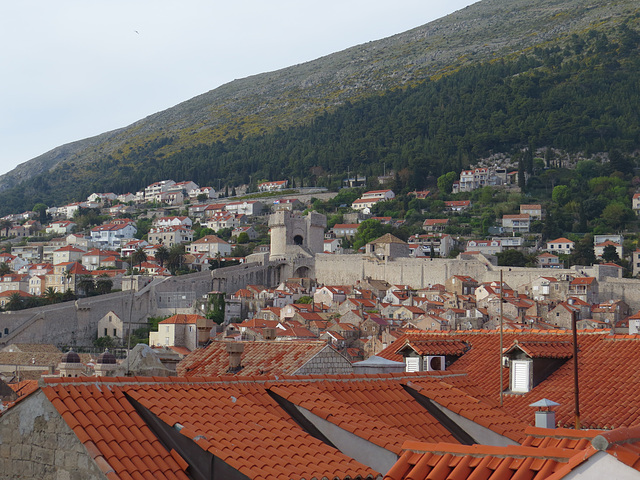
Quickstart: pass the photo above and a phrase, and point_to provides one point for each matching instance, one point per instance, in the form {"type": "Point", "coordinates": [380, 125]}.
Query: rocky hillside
{"type": "Point", "coordinates": [291, 96]}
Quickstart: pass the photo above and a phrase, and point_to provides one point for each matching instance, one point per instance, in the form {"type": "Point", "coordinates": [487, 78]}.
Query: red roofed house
{"type": "Point", "coordinates": [262, 357]}
{"type": "Point", "coordinates": [518, 223]}
{"type": "Point", "coordinates": [584, 288]}
{"type": "Point", "coordinates": [273, 186]}
{"type": "Point", "coordinates": [211, 245]}
{"type": "Point", "coordinates": [635, 203]}
{"type": "Point", "coordinates": [534, 211]}
{"type": "Point", "coordinates": [112, 234]}
{"type": "Point", "coordinates": [182, 330]}
{"type": "Point", "coordinates": [548, 260]}
{"type": "Point", "coordinates": [560, 245]}
{"type": "Point", "coordinates": [67, 254]}
{"type": "Point", "coordinates": [435, 224]}
{"type": "Point", "coordinates": [598, 248]}
{"type": "Point", "coordinates": [457, 205]}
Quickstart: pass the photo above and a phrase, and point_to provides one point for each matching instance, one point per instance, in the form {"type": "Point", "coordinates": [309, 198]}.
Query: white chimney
{"type": "Point", "coordinates": [545, 417]}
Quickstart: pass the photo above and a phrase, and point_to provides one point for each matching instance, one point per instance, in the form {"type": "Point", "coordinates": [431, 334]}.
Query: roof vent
{"type": "Point", "coordinates": [545, 417]}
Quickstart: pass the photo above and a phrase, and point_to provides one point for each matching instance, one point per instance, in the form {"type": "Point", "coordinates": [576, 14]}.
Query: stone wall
{"type": "Point", "coordinates": [422, 272]}
{"type": "Point", "coordinates": [326, 362]}
{"type": "Point", "coordinates": [36, 443]}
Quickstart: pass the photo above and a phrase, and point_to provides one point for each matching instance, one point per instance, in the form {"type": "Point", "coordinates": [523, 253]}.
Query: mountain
{"type": "Point", "coordinates": [264, 105]}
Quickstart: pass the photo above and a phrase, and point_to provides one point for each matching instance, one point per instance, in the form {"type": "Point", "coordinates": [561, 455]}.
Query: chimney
{"type": "Point", "coordinates": [545, 417]}
{"type": "Point", "coordinates": [269, 333]}
{"type": "Point", "coordinates": [235, 356]}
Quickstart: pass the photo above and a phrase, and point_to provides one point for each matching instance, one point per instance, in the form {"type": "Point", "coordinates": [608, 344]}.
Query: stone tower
{"type": "Point", "coordinates": [293, 235]}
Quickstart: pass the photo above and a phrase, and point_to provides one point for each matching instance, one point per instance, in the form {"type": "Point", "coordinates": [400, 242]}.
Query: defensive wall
{"type": "Point", "coordinates": [422, 272]}
{"type": "Point", "coordinates": [75, 323]}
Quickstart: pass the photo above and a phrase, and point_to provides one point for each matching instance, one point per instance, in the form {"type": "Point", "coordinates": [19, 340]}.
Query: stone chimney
{"type": "Point", "coordinates": [269, 333]}
{"type": "Point", "coordinates": [235, 350]}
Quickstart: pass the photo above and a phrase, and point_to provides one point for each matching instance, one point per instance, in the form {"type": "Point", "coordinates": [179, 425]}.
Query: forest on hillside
{"type": "Point", "coordinates": [580, 96]}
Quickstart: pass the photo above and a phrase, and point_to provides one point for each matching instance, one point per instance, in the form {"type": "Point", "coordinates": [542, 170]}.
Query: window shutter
{"type": "Point", "coordinates": [520, 376]}
{"type": "Point", "coordinates": [412, 364]}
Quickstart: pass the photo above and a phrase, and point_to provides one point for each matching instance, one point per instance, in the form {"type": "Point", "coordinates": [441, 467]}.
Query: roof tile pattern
{"type": "Point", "coordinates": [113, 433]}
{"type": "Point", "coordinates": [258, 358]}
{"type": "Point", "coordinates": [600, 377]}
{"type": "Point", "coordinates": [377, 410]}
{"type": "Point", "coordinates": [280, 448]}
{"type": "Point", "coordinates": [423, 461]}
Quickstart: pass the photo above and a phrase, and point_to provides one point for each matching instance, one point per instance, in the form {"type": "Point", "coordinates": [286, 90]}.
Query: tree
{"type": "Point", "coordinates": [216, 308]}
{"type": "Point", "coordinates": [41, 210]}
{"type": "Point", "coordinates": [15, 302]}
{"type": "Point", "coordinates": [176, 258]}
{"type": "Point", "coordinates": [610, 254]}
{"type": "Point", "coordinates": [162, 255]}
{"type": "Point", "coordinates": [5, 269]}
{"type": "Point", "coordinates": [512, 258]}
{"type": "Point", "coordinates": [103, 342]}
{"type": "Point", "coordinates": [305, 299]}
{"type": "Point", "coordinates": [139, 256]}
{"type": "Point", "coordinates": [6, 226]}
{"type": "Point", "coordinates": [86, 285]}
{"type": "Point", "coordinates": [104, 284]}
{"type": "Point", "coordinates": [368, 231]}
{"type": "Point", "coordinates": [445, 182]}
{"type": "Point", "coordinates": [51, 295]}
{"type": "Point", "coordinates": [583, 253]}
{"type": "Point", "coordinates": [243, 237]}
{"type": "Point", "coordinates": [616, 215]}
{"type": "Point", "coordinates": [561, 195]}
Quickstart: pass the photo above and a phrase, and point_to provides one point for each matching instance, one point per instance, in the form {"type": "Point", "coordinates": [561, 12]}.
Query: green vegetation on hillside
{"type": "Point", "coordinates": [579, 96]}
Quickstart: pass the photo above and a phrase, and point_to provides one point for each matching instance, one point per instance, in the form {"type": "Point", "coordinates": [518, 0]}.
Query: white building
{"type": "Point", "coordinates": [560, 245]}
{"type": "Point", "coordinates": [112, 234]}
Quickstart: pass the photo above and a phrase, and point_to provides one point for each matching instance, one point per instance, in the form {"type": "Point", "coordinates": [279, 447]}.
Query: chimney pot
{"type": "Point", "coordinates": [235, 355]}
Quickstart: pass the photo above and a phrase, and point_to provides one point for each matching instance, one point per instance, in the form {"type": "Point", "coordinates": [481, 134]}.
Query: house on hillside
{"type": "Point", "coordinates": [560, 245]}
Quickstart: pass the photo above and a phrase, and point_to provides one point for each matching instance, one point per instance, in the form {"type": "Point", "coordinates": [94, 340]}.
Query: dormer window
{"type": "Point", "coordinates": [430, 356]}
{"type": "Point", "coordinates": [532, 362]}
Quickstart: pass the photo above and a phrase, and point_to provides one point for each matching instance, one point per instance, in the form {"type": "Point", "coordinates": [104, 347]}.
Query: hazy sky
{"type": "Point", "coordinates": [73, 69]}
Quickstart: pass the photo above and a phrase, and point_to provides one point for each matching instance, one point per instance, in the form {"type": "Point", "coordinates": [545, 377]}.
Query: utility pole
{"type": "Point", "coordinates": [501, 347]}
{"type": "Point", "coordinates": [576, 391]}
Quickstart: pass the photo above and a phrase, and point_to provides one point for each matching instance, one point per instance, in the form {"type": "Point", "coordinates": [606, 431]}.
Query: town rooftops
{"type": "Point", "coordinates": [253, 428]}
{"type": "Point", "coordinates": [600, 378]}
{"type": "Point", "coordinates": [545, 454]}
{"type": "Point", "coordinates": [258, 358]}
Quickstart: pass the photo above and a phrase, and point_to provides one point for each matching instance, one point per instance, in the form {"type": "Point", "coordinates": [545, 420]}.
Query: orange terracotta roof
{"type": "Point", "coordinates": [436, 347]}
{"type": "Point", "coordinates": [181, 319]}
{"type": "Point", "coordinates": [561, 349]}
{"type": "Point", "coordinates": [600, 377]}
{"type": "Point", "coordinates": [258, 358]}
{"type": "Point", "coordinates": [248, 429]}
{"type": "Point", "coordinates": [441, 461]}
{"type": "Point", "coordinates": [113, 433]}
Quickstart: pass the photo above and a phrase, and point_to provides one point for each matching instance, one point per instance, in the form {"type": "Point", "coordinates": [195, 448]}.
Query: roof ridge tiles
{"type": "Point", "coordinates": [511, 451]}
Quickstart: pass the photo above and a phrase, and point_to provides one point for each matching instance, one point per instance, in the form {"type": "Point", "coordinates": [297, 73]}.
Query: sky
{"type": "Point", "coordinates": [73, 69]}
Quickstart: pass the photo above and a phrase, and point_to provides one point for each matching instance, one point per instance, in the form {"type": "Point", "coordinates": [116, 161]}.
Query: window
{"type": "Point", "coordinates": [412, 364]}
{"type": "Point", "coordinates": [520, 375]}
{"type": "Point", "coordinates": [105, 332]}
